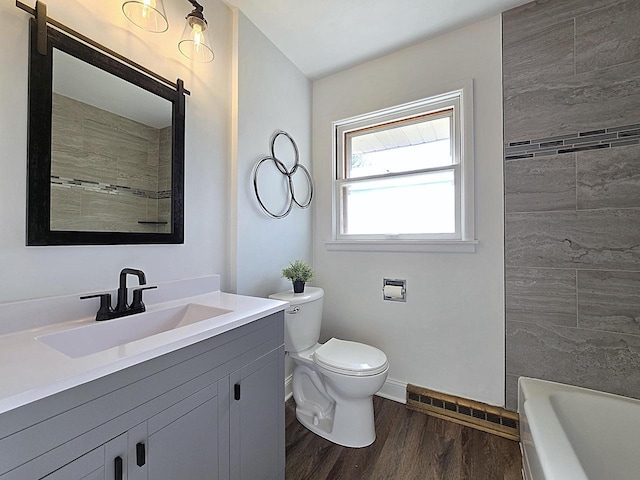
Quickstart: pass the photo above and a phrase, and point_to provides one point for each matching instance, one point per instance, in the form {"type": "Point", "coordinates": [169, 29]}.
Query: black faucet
{"type": "Point", "coordinates": [121, 305]}
{"type": "Point", "coordinates": [106, 312]}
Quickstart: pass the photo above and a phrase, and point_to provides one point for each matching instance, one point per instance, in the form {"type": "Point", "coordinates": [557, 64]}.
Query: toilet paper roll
{"type": "Point", "coordinates": [393, 291]}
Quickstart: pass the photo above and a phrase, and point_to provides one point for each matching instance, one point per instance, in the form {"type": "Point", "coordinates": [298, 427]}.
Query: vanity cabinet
{"type": "Point", "coordinates": [213, 410]}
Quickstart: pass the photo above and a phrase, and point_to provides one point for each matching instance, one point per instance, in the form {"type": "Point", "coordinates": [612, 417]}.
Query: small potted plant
{"type": "Point", "coordinates": [298, 272]}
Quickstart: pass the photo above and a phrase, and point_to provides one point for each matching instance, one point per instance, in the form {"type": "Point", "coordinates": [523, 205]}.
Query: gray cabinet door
{"type": "Point", "coordinates": [257, 419]}
{"type": "Point", "coordinates": [115, 458]}
{"type": "Point", "coordinates": [183, 441]}
{"type": "Point", "coordinates": [137, 459]}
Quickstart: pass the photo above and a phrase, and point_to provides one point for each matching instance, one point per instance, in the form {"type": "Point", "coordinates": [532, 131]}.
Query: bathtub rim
{"type": "Point", "coordinates": [557, 459]}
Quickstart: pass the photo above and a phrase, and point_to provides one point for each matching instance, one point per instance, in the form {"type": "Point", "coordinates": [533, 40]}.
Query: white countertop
{"type": "Point", "coordinates": [31, 370]}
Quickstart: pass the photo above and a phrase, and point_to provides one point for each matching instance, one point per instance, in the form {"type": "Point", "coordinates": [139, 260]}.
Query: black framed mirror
{"type": "Point", "coordinates": [105, 149]}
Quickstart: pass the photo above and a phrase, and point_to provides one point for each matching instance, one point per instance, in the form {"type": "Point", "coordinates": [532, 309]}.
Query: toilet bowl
{"type": "Point", "coordinates": [333, 383]}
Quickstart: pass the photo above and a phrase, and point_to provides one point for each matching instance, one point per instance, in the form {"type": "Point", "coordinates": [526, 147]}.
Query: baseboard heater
{"type": "Point", "coordinates": [478, 415]}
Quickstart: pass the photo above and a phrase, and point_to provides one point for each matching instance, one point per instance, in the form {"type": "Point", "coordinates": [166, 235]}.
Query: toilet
{"type": "Point", "coordinates": [333, 383]}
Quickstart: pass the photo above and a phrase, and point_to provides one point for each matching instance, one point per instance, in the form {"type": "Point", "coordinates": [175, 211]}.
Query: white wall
{"type": "Point", "coordinates": [272, 94]}
{"type": "Point", "coordinates": [449, 336]}
{"type": "Point", "coordinates": [42, 271]}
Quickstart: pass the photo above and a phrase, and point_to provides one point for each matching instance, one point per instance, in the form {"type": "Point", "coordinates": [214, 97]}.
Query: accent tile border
{"type": "Point", "coordinates": [574, 142]}
{"type": "Point", "coordinates": [92, 186]}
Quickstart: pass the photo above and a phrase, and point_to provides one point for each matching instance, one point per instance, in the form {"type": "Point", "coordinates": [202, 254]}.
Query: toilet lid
{"type": "Point", "coordinates": [350, 358]}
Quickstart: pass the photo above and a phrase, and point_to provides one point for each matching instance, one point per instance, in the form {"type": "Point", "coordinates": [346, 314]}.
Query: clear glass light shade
{"type": "Point", "coordinates": [195, 43]}
{"type": "Point", "coordinates": [146, 14]}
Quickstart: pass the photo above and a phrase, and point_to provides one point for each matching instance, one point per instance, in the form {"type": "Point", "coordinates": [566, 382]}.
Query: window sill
{"type": "Point", "coordinates": [427, 246]}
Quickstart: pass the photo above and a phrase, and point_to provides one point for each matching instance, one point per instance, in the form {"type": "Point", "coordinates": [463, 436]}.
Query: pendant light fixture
{"type": "Point", "coordinates": [146, 14]}
{"type": "Point", "coordinates": [150, 15]}
{"type": "Point", "coordinates": [194, 43]}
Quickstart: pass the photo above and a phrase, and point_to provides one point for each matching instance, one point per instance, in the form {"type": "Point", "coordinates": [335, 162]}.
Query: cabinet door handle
{"type": "Point", "coordinates": [140, 454]}
{"type": "Point", "coordinates": [118, 468]}
{"type": "Point", "coordinates": [236, 391]}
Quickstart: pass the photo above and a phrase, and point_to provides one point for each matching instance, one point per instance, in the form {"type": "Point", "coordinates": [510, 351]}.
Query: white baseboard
{"type": "Point", "coordinates": [288, 391]}
{"type": "Point", "coordinates": [392, 390]}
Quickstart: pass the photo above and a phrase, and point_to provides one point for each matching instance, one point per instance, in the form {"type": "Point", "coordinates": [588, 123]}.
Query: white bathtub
{"type": "Point", "coordinates": [572, 433]}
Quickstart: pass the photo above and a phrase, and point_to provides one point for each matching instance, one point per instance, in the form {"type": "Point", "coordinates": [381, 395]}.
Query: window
{"type": "Point", "coordinates": [405, 174]}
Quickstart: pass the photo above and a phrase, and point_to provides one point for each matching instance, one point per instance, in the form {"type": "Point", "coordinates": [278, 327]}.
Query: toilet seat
{"type": "Point", "coordinates": [350, 358]}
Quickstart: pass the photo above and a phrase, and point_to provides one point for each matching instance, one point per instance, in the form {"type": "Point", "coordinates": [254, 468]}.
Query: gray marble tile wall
{"type": "Point", "coordinates": [109, 178]}
{"type": "Point", "coordinates": [571, 76]}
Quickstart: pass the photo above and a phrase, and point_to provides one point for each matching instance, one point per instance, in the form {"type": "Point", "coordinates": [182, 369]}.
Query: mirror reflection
{"type": "Point", "coordinates": [110, 154]}
{"type": "Point", "coordinates": [105, 147]}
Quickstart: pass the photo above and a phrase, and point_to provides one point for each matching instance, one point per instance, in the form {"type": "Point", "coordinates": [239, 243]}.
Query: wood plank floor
{"type": "Point", "coordinates": [409, 445]}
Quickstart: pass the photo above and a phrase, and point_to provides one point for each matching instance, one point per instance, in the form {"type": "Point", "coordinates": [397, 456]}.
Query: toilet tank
{"type": "Point", "coordinates": [302, 320]}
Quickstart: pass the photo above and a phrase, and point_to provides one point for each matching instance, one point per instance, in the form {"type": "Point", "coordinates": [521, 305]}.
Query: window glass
{"type": "Point", "coordinates": [414, 144]}
{"type": "Point", "coordinates": [411, 204]}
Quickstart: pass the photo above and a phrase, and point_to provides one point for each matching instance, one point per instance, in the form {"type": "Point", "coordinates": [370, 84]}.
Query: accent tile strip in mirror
{"type": "Point", "coordinates": [89, 185]}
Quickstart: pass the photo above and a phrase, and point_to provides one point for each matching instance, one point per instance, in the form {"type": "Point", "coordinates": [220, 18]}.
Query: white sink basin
{"type": "Point", "coordinates": [100, 336]}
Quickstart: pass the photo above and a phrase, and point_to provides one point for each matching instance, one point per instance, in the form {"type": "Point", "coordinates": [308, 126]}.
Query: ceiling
{"type": "Point", "coordinates": [325, 36]}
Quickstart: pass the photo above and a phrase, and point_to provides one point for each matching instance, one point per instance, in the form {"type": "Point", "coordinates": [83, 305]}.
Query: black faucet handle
{"type": "Point", "coordinates": [137, 302]}
{"type": "Point", "coordinates": [105, 305]}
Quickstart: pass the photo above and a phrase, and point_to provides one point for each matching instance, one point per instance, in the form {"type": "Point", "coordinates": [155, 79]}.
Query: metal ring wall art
{"type": "Point", "coordinates": [282, 168]}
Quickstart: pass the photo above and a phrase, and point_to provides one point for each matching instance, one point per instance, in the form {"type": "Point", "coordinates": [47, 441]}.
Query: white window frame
{"type": "Point", "coordinates": [461, 100]}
